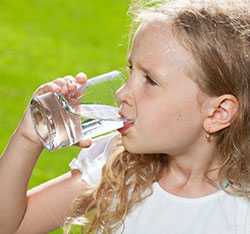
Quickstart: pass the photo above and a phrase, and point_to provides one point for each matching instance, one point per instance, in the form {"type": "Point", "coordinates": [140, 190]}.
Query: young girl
{"type": "Point", "coordinates": [181, 163]}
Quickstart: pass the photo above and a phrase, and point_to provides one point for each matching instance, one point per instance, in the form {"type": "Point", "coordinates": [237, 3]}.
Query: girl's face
{"type": "Point", "coordinates": [159, 97]}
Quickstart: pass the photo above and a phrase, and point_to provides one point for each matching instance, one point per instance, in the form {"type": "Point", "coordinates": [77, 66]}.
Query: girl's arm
{"type": "Point", "coordinates": [49, 203]}
{"type": "Point", "coordinates": [16, 165]}
{"type": "Point", "coordinates": [43, 208]}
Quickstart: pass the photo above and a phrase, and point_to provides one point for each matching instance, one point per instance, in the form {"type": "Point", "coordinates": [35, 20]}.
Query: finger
{"type": "Point", "coordinates": [60, 81]}
{"type": "Point", "coordinates": [55, 88]}
{"type": "Point", "coordinates": [65, 80]}
{"type": "Point", "coordinates": [67, 89]}
{"type": "Point", "coordinates": [71, 86]}
{"type": "Point", "coordinates": [81, 78]}
{"type": "Point", "coordinates": [48, 87]}
{"type": "Point", "coordinates": [71, 91]}
{"type": "Point", "coordinates": [84, 143]}
{"type": "Point", "coordinates": [67, 85]}
{"type": "Point", "coordinates": [69, 78]}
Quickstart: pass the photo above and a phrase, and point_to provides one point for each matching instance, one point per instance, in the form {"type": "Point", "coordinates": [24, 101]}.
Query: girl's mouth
{"type": "Point", "coordinates": [127, 125]}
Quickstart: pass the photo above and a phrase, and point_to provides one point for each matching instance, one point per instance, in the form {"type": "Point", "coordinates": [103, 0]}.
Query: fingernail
{"type": "Point", "coordinates": [80, 76]}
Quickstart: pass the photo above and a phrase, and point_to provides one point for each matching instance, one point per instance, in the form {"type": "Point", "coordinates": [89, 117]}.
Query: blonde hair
{"type": "Point", "coordinates": [217, 34]}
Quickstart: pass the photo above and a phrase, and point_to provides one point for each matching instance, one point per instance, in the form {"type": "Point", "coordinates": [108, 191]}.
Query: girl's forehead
{"type": "Point", "coordinates": [155, 45]}
{"type": "Point", "coordinates": [152, 29]}
{"type": "Point", "coordinates": [155, 26]}
{"type": "Point", "coordinates": [156, 38]}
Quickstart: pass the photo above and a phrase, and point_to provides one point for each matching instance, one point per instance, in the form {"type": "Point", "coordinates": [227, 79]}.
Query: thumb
{"type": "Point", "coordinates": [84, 143]}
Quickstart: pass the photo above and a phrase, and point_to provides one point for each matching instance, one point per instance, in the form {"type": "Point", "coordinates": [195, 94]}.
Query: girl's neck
{"type": "Point", "coordinates": [190, 182]}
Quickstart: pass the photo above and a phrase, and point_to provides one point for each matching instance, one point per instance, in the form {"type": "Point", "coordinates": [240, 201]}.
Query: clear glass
{"type": "Point", "coordinates": [98, 109]}
{"type": "Point", "coordinates": [59, 124]}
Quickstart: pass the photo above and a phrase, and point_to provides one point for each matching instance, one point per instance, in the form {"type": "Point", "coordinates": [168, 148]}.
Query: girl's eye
{"type": "Point", "coordinates": [150, 81]}
{"type": "Point", "coordinates": [147, 77]}
{"type": "Point", "coordinates": [129, 67]}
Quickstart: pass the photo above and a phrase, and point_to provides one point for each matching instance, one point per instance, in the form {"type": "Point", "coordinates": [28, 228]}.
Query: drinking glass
{"type": "Point", "coordinates": [60, 124]}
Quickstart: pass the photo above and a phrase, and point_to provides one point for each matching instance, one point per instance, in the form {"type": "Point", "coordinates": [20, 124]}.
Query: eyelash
{"type": "Point", "coordinates": [147, 77]}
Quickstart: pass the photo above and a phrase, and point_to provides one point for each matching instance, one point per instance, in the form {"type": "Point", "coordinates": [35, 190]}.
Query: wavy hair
{"type": "Point", "coordinates": [217, 34]}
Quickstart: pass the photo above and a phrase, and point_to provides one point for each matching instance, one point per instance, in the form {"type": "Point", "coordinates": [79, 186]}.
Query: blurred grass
{"type": "Point", "coordinates": [45, 39]}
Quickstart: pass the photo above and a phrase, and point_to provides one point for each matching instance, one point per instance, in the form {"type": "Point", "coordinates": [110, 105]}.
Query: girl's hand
{"type": "Point", "coordinates": [68, 87]}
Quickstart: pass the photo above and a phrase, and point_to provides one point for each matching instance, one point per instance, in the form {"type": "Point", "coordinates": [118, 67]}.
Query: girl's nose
{"type": "Point", "coordinates": [123, 94]}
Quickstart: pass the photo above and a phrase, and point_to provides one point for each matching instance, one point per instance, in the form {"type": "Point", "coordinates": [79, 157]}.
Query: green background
{"type": "Point", "coordinates": [45, 39]}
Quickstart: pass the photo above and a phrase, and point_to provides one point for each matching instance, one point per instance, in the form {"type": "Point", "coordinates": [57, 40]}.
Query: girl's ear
{"type": "Point", "coordinates": [221, 113]}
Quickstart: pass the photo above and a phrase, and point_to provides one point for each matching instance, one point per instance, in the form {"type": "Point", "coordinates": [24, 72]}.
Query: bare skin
{"type": "Point", "coordinates": [45, 207]}
{"type": "Point", "coordinates": [171, 115]}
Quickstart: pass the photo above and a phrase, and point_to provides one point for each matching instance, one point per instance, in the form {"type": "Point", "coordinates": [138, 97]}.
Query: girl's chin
{"type": "Point", "coordinates": [130, 146]}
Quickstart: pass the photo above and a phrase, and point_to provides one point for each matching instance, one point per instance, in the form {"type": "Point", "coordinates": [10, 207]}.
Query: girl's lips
{"type": "Point", "coordinates": [127, 125]}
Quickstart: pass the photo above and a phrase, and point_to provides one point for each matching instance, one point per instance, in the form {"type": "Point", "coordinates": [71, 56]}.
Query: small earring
{"type": "Point", "coordinates": [208, 137]}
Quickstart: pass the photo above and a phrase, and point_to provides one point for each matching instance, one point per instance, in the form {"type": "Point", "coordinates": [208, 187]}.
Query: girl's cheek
{"type": "Point", "coordinates": [144, 100]}
{"type": "Point", "coordinates": [144, 92]}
